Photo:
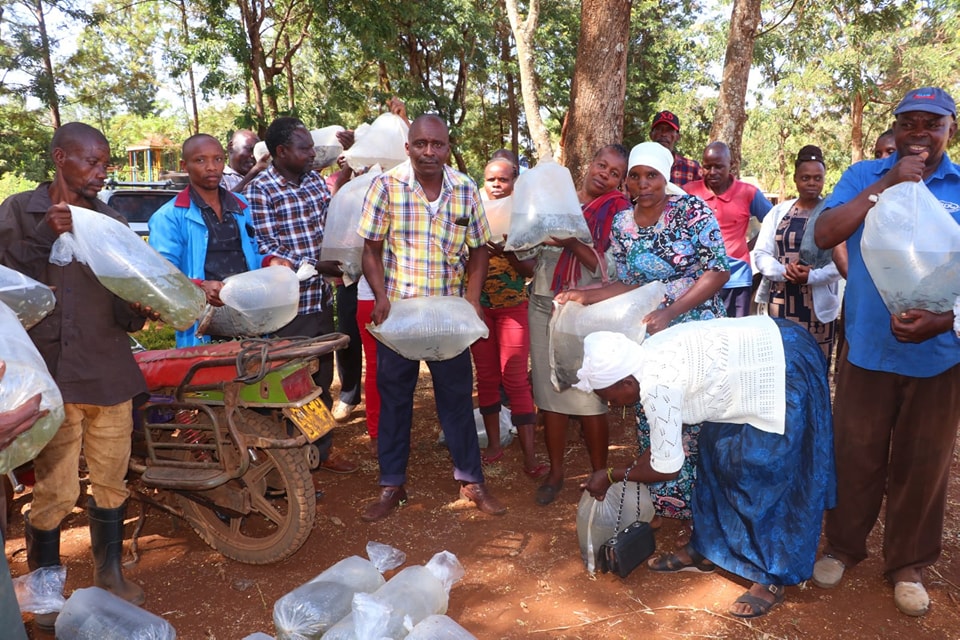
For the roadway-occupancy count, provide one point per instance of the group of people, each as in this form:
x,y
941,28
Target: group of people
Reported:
x,y
734,422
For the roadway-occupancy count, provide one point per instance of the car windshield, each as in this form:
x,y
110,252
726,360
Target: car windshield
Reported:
x,y
138,206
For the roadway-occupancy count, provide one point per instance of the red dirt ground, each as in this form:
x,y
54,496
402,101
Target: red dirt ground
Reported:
x,y
524,577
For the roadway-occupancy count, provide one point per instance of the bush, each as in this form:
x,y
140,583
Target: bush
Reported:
x,y
156,335
11,183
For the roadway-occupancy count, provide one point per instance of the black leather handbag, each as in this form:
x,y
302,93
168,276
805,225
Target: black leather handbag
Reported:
x,y
629,547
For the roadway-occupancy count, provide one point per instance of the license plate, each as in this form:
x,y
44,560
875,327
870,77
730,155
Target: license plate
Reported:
x,y
313,419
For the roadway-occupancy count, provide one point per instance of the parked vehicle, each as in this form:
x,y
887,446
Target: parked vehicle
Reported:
x,y
137,201
225,442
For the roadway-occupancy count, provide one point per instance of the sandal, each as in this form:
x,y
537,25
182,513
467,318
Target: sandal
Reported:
x,y
538,471
491,459
547,493
759,606
671,563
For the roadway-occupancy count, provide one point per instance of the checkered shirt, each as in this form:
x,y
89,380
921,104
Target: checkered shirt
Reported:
x,y
289,221
684,170
424,250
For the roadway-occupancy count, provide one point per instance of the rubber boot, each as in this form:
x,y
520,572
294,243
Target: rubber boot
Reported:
x,y
106,540
43,550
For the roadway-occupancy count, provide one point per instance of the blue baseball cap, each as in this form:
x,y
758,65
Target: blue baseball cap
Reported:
x,y
928,100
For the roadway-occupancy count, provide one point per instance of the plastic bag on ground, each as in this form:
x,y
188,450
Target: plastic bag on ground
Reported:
x,y
95,614
41,590
572,322
384,143
258,635
498,214
29,299
341,242
129,267
307,612
430,328
597,519
26,376
326,146
545,205
911,247
439,626
507,430
412,595
254,303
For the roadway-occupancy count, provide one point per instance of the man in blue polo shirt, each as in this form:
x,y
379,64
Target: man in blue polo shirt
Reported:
x,y
898,394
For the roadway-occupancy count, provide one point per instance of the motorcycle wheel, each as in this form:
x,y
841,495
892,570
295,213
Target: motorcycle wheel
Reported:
x,y
282,498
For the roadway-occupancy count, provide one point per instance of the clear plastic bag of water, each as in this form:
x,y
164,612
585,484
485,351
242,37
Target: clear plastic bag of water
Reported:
x,y
430,328
41,590
341,242
29,299
95,614
911,247
545,205
411,595
307,612
597,519
129,267
439,626
573,322
255,303
498,214
383,143
326,146
507,430
26,376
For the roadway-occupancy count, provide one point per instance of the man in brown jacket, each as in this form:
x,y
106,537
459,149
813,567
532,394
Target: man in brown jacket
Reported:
x,y
85,345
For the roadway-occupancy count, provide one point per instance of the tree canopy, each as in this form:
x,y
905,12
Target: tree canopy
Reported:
x,y
825,73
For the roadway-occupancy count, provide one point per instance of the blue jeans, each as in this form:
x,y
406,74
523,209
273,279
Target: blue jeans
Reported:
x,y
453,392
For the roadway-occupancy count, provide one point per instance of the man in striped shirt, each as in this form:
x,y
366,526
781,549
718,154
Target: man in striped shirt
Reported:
x,y
424,230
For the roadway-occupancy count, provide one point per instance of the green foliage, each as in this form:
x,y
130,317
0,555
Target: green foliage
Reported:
x,y
156,335
11,183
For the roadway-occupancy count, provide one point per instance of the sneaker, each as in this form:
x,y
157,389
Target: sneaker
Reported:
x,y
911,598
828,572
342,411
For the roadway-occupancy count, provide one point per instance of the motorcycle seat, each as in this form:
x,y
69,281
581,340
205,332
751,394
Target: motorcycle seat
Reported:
x,y
167,368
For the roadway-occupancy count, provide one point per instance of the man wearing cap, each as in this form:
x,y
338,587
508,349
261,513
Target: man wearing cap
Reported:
x,y
898,391
733,202
666,131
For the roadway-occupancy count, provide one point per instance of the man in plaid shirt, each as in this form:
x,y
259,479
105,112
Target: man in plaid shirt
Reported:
x,y
424,229
289,201
666,131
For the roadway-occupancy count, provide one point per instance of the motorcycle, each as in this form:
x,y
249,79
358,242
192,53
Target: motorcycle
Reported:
x,y
225,442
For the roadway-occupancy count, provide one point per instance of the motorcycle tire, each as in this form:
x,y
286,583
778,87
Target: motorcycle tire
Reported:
x,y
282,498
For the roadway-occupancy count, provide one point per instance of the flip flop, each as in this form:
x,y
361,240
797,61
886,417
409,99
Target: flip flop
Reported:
x,y
759,606
538,471
494,458
547,493
671,563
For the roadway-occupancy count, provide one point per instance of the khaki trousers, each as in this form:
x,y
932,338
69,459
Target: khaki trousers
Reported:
x,y
103,432
893,435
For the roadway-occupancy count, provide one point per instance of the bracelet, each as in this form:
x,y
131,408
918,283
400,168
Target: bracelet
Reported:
x,y
610,474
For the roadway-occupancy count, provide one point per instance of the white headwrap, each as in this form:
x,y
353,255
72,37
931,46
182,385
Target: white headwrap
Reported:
x,y
608,358
656,156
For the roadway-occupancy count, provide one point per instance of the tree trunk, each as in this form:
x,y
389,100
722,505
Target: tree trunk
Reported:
x,y
599,83
48,82
731,109
524,35
193,86
856,128
513,112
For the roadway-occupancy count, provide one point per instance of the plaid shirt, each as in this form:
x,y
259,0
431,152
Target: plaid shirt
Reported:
x,y
424,249
684,170
289,221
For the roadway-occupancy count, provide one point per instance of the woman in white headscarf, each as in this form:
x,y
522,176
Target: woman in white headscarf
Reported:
x,y
672,237
765,471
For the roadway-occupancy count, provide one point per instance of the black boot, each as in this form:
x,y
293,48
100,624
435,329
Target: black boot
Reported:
x,y
43,550
106,539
